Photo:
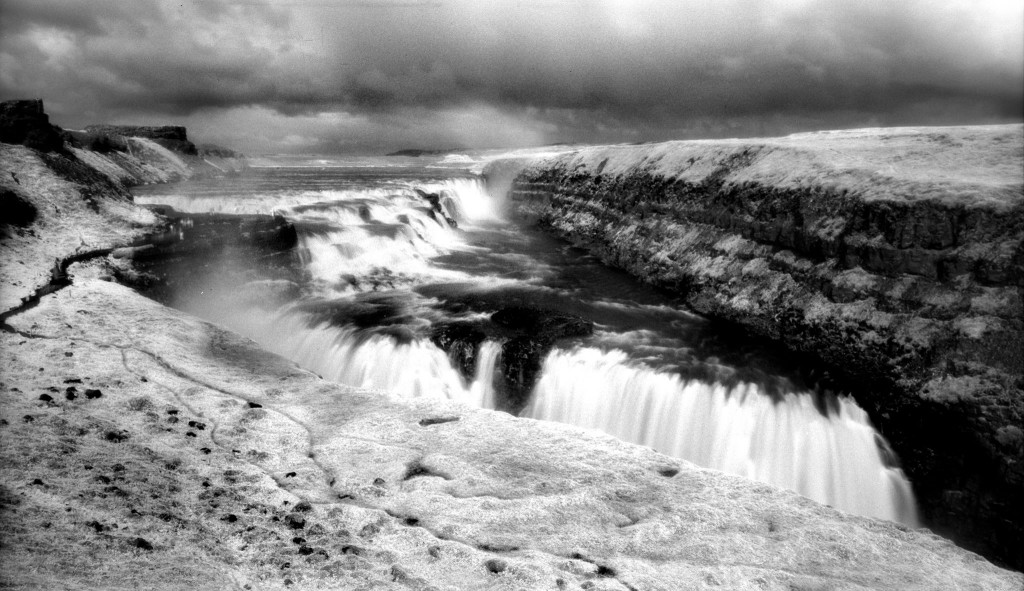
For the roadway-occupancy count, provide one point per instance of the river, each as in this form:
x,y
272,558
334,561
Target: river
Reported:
x,y
408,278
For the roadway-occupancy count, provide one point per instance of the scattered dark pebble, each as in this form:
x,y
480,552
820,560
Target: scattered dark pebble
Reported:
x,y
68,354
378,482
103,479
73,381
303,506
165,516
96,525
295,521
255,405
286,565
230,518
118,468
437,421
290,475
668,472
172,420
115,436
92,394
71,393
206,484
289,582
38,482
197,425
28,418
496,565
46,398
142,544
190,434
49,389
205,450
434,551
299,541
399,574
411,521
605,571
354,550
172,411
305,550
87,466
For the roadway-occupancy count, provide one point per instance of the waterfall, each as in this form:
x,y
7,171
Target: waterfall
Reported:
x,y
482,388
789,443
378,256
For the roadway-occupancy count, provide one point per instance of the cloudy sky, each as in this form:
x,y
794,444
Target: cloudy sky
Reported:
x,y
320,76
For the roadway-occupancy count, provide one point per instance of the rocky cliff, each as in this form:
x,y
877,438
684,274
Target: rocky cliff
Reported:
x,y
893,256
143,448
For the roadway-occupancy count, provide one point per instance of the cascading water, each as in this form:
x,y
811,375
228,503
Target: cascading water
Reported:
x,y
386,256
832,459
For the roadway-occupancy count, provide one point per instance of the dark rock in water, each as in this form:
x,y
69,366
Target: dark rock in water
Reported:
x,y
24,122
522,356
438,205
462,343
544,324
528,335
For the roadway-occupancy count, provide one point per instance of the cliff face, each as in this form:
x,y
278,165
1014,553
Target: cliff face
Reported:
x,y
896,257
126,154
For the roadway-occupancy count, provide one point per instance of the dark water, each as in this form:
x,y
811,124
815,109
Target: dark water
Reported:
x,y
386,257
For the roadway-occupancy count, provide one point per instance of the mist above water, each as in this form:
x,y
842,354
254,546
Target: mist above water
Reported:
x,y
387,254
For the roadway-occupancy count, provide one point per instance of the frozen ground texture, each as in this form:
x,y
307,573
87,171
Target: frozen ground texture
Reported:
x,y
894,256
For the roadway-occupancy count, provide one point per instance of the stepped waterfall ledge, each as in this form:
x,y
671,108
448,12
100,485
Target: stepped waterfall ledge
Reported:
x,y
381,267
892,257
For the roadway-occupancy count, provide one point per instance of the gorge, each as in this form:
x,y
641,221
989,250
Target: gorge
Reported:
x,y
360,275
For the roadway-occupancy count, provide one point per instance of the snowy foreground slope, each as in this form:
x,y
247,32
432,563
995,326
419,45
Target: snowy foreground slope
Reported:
x,y
143,448
893,256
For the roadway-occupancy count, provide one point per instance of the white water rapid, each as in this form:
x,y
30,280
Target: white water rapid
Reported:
x,y
832,459
379,237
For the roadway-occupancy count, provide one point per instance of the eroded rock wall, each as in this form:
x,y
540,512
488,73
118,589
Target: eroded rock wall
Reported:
x,y
893,256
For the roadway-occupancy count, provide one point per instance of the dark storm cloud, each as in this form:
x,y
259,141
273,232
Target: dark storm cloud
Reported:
x,y
593,71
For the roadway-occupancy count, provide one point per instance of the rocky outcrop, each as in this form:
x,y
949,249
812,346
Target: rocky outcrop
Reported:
x,y
894,256
25,122
144,448
126,154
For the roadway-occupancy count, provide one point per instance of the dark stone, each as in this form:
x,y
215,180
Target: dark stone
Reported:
x,y
93,394
437,421
295,521
24,122
255,405
496,565
46,398
142,544
303,507
462,343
